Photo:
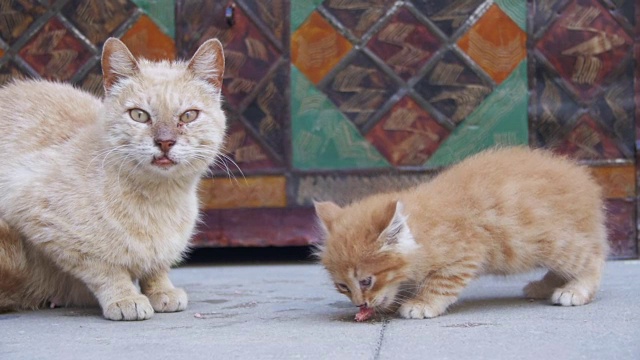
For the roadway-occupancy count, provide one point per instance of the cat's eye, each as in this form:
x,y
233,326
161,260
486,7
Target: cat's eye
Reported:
x,y
342,287
139,115
365,283
189,115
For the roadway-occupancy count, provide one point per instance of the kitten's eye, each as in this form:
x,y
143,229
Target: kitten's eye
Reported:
x,y
365,283
189,115
342,287
139,115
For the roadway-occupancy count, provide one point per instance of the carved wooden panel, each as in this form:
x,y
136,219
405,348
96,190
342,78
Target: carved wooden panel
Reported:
x,y
334,99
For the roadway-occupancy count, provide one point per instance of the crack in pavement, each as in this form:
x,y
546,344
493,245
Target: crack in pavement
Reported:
x,y
376,354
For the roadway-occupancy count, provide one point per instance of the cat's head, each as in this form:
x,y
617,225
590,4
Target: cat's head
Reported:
x,y
366,249
163,117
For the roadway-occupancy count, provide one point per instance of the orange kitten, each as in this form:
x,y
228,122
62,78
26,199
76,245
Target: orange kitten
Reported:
x,y
501,212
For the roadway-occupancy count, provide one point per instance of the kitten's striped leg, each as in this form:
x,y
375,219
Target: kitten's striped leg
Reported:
x,y
440,290
163,296
543,288
581,288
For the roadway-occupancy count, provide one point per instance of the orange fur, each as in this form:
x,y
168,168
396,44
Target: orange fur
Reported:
x,y
503,211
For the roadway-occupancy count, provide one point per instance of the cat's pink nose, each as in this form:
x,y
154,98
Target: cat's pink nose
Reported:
x,y
165,145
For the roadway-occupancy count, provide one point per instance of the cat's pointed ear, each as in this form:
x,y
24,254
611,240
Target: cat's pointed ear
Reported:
x,y
117,62
397,236
208,62
327,212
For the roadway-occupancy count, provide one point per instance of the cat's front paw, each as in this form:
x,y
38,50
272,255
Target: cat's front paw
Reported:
x,y
418,310
169,301
569,297
130,308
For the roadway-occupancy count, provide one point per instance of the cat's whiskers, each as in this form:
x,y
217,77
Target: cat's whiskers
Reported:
x,y
223,153
220,161
116,149
106,153
227,158
398,299
122,162
207,156
222,165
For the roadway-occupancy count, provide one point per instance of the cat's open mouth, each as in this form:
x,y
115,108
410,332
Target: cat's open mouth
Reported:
x,y
163,161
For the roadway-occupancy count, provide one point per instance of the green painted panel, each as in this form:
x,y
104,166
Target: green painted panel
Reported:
x,y
322,137
500,120
162,12
517,11
300,11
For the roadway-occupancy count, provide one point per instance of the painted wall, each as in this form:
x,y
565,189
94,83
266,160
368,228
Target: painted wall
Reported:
x,y
337,99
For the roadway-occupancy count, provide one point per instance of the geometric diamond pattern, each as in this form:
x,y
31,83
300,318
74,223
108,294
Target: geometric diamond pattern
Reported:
x,y
358,16
449,16
453,88
588,141
146,39
360,88
554,110
497,53
404,43
500,120
317,47
9,72
162,12
321,93
268,12
262,114
63,42
241,146
300,10
322,137
585,46
249,54
97,20
54,52
17,16
407,135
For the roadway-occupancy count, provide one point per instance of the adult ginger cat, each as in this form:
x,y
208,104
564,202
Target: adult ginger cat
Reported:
x,y
500,212
95,195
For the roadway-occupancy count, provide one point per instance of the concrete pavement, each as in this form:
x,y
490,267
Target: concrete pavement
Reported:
x,y
291,311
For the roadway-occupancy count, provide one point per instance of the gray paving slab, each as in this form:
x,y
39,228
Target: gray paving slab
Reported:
x,y
292,312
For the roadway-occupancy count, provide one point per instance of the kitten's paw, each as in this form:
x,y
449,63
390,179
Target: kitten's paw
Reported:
x,y
131,308
569,297
169,301
418,310
537,290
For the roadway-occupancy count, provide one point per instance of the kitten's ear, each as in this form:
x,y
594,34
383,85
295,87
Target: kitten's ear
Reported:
x,y
397,235
117,62
208,62
318,251
327,212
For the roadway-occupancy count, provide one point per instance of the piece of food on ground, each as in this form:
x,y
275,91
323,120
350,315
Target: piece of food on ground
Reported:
x,y
365,313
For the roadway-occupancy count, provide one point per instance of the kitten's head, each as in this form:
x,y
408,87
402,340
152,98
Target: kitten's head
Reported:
x,y
163,117
366,250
